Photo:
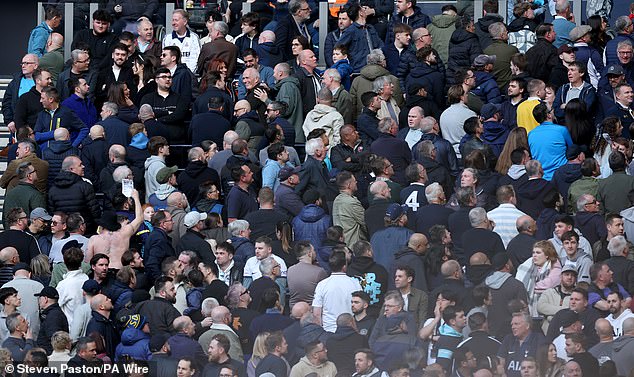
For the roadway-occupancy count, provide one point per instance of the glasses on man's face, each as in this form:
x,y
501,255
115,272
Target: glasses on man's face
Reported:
x,y
55,223
164,77
307,9
27,63
246,292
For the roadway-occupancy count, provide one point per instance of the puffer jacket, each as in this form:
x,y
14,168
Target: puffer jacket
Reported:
x,y
120,294
195,173
464,47
135,344
70,193
495,135
591,225
244,249
345,70
408,62
542,58
363,83
326,117
486,87
56,152
431,78
482,28
441,28
311,224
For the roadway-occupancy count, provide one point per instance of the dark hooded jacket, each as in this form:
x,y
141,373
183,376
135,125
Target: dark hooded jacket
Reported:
x,y
591,225
244,249
195,173
486,87
563,178
530,195
311,224
70,193
464,47
374,279
409,257
135,344
445,154
415,21
495,135
437,173
482,28
429,77
56,152
546,223
428,105
342,346
504,288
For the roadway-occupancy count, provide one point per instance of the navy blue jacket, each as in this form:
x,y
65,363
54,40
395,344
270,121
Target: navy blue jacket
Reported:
x,y
10,99
509,114
244,249
57,151
464,47
201,105
397,151
611,56
486,87
184,83
46,124
588,96
107,329
392,56
210,125
332,39
367,125
116,131
495,135
182,345
158,246
269,54
135,344
409,61
432,80
311,224
445,154
625,117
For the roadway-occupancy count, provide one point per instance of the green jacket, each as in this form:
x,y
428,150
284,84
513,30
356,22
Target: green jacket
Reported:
x,y
585,185
363,84
25,196
53,61
441,28
342,101
288,92
348,213
502,67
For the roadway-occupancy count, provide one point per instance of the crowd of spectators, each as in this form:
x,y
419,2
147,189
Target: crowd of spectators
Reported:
x,y
445,198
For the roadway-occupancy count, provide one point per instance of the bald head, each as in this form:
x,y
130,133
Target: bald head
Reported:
x,y
525,224
604,329
267,36
219,314
450,268
479,259
9,255
299,309
417,240
96,132
116,153
244,103
482,373
56,41
61,134
146,112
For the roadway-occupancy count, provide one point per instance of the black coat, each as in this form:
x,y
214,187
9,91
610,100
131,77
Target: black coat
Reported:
x,y
397,151
286,31
430,215
100,46
107,328
530,195
437,173
26,244
209,125
195,173
172,111
56,152
367,125
184,82
342,346
201,104
375,214
70,193
94,155
135,158
160,314
52,319
464,47
431,79
106,78
409,257
542,58
429,106
27,108
307,89
520,248
195,241
158,246
477,239
106,182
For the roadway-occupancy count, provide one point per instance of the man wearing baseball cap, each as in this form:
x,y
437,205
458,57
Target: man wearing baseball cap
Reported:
x,y
394,237
38,220
559,73
286,199
52,317
83,313
586,54
486,87
615,75
193,239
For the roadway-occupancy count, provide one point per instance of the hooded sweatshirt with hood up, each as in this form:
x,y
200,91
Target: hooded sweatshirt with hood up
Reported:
x,y
504,288
152,165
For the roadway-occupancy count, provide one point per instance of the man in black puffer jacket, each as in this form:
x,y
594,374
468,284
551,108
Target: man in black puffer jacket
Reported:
x,y
71,193
57,151
464,47
196,172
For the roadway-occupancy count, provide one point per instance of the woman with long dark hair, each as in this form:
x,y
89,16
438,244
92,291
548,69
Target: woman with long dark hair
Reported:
x,y
598,36
608,131
119,93
578,122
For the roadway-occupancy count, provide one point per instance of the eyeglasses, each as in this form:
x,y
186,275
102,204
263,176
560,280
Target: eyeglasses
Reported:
x,y
305,9
27,63
245,292
82,61
164,77
625,52
55,223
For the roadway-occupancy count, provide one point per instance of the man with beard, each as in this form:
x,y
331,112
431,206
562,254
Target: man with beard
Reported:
x,y
160,311
219,357
119,72
515,96
619,312
169,107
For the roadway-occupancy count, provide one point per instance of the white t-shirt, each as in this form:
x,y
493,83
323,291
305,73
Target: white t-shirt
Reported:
x,y
252,267
334,295
617,323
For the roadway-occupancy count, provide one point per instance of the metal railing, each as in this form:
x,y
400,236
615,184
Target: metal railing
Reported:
x,y
246,7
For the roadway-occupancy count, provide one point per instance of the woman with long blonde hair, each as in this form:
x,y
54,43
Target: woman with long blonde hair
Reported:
x,y
259,352
540,272
517,138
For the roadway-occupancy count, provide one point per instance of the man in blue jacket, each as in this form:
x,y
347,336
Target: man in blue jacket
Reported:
x,y
408,13
577,87
39,36
358,37
55,116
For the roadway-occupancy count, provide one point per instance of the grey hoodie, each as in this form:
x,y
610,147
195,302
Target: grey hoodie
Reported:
x,y
622,356
496,279
152,165
516,171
